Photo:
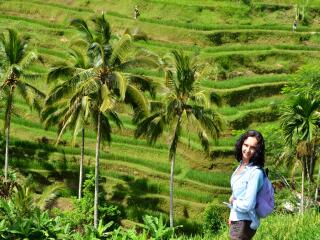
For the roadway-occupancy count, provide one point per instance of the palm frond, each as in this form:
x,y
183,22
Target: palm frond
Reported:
x,y
299,118
77,124
174,106
200,98
209,119
33,76
204,140
156,105
14,46
113,116
82,26
121,83
120,50
138,102
105,129
49,195
102,29
52,114
107,99
60,70
78,82
185,73
32,95
28,59
36,92
145,84
79,58
151,127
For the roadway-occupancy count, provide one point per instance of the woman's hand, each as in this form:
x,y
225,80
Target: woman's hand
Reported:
x,y
231,199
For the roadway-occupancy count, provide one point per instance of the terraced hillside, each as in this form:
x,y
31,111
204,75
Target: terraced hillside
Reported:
x,y
248,52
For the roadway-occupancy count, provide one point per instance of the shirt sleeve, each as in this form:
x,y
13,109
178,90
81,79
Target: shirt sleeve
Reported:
x,y
248,202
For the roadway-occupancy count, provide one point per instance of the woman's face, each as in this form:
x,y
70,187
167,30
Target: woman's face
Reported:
x,y
249,148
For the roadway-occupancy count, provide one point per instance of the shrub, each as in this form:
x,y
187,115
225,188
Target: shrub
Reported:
x,y
83,208
215,218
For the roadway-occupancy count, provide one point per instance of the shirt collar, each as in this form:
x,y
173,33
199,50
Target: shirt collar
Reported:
x,y
249,165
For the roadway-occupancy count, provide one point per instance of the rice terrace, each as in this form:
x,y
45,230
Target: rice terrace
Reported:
x,y
120,118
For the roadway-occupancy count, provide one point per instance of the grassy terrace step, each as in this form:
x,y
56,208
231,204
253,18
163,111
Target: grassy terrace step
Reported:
x,y
159,46
43,152
214,182
57,5
53,25
217,38
126,173
120,138
37,128
233,112
245,80
207,15
236,96
243,120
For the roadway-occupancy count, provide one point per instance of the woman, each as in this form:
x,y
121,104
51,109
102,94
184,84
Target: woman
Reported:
x,y
246,181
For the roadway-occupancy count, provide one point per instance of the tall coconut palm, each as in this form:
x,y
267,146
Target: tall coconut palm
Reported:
x,y
299,122
65,112
183,105
106,82
14,75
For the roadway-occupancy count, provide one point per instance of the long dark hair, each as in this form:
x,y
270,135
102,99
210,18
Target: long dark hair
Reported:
x,y
258,157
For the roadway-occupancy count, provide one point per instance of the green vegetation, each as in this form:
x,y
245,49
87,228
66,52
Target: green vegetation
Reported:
x,y
169,77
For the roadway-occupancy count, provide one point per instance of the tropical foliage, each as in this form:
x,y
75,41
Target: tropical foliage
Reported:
x,y
185,106
93,73
14,75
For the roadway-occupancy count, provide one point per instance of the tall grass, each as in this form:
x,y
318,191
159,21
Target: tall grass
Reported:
x,y
278,227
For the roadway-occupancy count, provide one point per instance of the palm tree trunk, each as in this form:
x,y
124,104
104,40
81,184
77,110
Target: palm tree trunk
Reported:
x,y
317,186
171,188
172,157
312,165
81,166
302,192
96,188
7,132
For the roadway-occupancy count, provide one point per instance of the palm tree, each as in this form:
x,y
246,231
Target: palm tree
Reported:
x,y
183,105
106,83
299,122
14,75
65,112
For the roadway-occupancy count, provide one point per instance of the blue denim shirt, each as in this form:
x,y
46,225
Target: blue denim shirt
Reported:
x,y
244,191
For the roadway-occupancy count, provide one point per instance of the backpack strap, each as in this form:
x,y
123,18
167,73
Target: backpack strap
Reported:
x,y
264,174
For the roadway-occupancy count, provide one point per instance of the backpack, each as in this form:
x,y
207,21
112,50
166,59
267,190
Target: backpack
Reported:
x,y
265,198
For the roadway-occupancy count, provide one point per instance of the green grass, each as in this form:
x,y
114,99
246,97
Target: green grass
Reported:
x,y
259,103
245,80
278,226
256,44
213,178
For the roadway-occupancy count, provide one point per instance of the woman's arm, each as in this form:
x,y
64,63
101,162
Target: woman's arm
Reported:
x,y
248,202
